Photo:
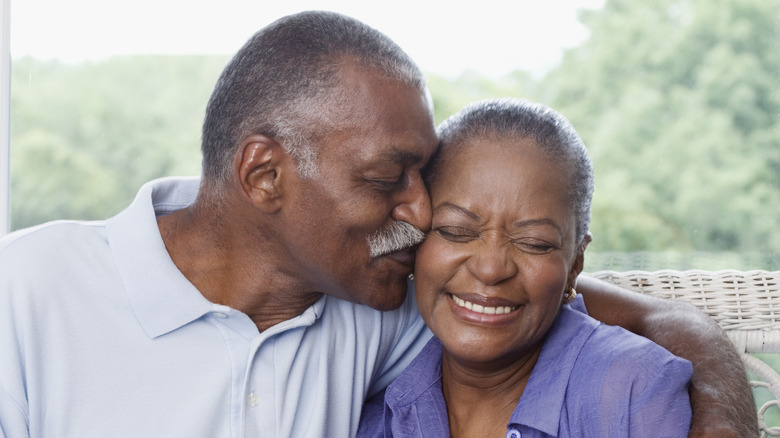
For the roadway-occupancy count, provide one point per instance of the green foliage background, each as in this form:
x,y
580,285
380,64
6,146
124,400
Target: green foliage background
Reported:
x,y
85,137
677,100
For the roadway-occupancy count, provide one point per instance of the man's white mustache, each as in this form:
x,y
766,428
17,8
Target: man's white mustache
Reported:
x,y
400,235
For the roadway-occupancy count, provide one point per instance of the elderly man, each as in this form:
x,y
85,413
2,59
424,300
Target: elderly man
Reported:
x,y
270,297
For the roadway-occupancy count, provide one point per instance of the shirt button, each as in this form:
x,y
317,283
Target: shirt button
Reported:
x,y
513,433
252,400
220,315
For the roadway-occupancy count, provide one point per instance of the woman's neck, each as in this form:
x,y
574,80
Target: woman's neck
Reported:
x,y
481,398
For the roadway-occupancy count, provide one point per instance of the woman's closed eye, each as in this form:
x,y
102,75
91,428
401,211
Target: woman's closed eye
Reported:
x,y
534,246
456,234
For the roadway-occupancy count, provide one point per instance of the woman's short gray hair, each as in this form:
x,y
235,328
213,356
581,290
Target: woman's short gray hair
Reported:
x,y
519,119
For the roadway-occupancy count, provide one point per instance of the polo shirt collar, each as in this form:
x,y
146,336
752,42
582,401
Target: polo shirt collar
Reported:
x,y
416,380
160,295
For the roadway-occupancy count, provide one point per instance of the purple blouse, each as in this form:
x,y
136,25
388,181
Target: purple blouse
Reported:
x,y
591,380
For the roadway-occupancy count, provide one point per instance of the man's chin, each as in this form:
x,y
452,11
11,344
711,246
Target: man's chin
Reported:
x,y
388,305
391,296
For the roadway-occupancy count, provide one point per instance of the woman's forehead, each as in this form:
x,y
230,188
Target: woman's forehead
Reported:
x,y
462,156
488,168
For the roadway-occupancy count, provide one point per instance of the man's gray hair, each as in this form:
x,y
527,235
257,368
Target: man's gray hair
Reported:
x,y
283,77
519,119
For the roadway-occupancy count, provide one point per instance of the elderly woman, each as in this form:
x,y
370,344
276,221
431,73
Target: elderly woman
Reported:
x,y
511,190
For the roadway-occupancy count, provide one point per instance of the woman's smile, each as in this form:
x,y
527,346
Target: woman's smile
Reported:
x,y
483,311
480,308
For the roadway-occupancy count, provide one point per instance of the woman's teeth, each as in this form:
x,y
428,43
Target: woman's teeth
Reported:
x,y
500,310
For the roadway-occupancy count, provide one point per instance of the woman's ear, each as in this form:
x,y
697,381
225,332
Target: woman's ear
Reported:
x,y
579,260
260,170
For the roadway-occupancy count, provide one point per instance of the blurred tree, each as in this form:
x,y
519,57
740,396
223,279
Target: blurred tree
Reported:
x,y
58,181
85,137
679,103
450,95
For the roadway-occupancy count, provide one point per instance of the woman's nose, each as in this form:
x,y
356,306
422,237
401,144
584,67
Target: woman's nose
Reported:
x,y
491,262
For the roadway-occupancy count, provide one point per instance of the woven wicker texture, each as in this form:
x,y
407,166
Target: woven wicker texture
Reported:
x,y
746,304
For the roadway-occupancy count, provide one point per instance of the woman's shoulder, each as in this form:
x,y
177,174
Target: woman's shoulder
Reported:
x,y
614,357
630,384
614,345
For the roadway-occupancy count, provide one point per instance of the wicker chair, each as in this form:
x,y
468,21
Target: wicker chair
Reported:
x,y
746,304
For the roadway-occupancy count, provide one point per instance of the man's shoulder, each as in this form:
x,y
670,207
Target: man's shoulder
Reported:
x,y
40,267
48,238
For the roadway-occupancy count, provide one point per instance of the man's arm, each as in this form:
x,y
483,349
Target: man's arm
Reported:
x,y
721,398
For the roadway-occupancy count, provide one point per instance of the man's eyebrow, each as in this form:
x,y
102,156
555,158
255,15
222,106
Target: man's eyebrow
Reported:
x,y
398,155
459,209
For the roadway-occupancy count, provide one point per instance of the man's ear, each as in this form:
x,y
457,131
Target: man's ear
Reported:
x,y
260,170
579,260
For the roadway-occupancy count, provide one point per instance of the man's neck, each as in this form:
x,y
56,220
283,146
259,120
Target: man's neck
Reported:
x,y
232,271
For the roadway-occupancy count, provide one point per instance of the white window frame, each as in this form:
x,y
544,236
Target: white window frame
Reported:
x,y
5,118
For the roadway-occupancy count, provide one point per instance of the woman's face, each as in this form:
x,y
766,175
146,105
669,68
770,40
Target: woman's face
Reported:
x,y
490,276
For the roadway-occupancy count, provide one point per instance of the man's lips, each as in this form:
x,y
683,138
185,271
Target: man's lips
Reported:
x,y
404,256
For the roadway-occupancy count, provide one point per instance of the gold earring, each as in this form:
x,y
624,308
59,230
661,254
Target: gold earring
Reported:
x,y
570,295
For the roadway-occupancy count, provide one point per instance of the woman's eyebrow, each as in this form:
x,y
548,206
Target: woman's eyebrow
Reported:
x,y
459,209
534,222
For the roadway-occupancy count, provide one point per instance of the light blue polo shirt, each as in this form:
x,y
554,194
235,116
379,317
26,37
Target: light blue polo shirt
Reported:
x,y
102,336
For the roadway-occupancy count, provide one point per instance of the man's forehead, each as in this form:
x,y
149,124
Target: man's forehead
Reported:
x,y
375,118
389,155
399,155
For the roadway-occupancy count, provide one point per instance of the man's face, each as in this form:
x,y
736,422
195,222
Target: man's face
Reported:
x,y
368,180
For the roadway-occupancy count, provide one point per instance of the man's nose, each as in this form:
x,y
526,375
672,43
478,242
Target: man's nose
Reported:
x,y
414,203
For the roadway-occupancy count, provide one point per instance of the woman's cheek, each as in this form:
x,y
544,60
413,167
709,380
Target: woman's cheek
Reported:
x,y
431,274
